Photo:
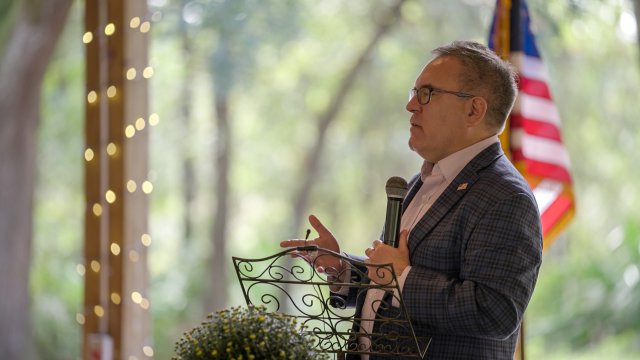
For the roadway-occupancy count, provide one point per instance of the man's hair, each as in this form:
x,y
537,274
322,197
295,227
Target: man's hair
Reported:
x,y
485,74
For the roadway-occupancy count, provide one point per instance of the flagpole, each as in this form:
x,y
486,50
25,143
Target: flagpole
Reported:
x,y
515,41
502,41
508,35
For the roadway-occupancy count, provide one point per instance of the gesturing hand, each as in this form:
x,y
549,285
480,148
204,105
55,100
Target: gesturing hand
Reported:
x,y
324,263
380,253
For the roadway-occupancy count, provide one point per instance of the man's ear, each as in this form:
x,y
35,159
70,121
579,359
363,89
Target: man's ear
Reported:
x,y
476,111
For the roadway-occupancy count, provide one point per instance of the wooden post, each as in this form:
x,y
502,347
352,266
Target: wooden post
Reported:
x,y
116,312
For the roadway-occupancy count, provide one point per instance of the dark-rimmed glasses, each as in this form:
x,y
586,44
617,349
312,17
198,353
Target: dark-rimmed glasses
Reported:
x,y
424,94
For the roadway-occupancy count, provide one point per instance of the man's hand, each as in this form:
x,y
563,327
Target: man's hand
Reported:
x,y
380,253
324,262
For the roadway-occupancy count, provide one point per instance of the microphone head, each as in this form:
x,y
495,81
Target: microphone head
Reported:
x,y
396,187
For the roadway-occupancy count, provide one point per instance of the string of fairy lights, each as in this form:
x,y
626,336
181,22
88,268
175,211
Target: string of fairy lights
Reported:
x,y
132,129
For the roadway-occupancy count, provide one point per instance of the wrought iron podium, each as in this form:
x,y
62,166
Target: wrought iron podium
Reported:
x,y
286,283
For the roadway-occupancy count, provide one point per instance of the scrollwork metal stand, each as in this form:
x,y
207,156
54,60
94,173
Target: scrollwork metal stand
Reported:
x,y
324,302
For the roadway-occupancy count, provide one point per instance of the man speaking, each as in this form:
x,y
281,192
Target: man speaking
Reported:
x,y
470,246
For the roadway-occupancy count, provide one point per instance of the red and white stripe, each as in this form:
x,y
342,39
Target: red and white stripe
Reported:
x,y
536,140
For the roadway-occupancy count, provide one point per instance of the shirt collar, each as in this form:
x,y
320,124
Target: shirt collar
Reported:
x,y
451,166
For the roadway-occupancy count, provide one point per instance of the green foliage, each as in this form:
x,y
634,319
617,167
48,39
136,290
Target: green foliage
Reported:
x,y
585,298
246,333
290,57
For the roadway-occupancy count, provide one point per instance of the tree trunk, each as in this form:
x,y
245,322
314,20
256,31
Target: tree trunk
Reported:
x,y
311,164
218,294
186,93
222,70
30,42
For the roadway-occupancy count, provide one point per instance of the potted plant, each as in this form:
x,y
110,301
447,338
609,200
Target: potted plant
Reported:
x,y
246,333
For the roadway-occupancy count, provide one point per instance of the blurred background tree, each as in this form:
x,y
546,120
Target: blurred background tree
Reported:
x,y
29,31
241,88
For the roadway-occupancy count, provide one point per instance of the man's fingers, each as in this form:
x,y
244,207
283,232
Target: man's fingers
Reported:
x,y
296,243
367,251
287,243
318,226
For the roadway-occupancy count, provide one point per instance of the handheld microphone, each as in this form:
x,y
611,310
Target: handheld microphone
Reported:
x,y
396,190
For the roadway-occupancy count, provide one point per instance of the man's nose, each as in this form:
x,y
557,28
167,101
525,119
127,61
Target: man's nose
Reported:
x,y
412,104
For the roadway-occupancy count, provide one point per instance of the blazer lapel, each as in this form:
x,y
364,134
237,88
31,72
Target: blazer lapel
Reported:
x,y
451,195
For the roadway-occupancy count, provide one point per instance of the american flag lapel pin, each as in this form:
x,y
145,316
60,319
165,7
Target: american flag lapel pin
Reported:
x,y
463,186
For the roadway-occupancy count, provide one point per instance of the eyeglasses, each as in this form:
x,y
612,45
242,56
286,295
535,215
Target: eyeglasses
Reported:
x,y
424,94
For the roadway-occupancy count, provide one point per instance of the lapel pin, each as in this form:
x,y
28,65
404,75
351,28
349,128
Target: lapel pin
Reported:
x,y
463,186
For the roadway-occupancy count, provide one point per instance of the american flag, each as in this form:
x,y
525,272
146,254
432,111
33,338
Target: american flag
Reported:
x,y
532,137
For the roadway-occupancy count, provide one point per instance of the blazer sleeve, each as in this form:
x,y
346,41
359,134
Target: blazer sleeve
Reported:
x,y
499,263
356,275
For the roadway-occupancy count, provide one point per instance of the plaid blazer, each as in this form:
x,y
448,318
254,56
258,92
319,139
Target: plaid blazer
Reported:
x,y
475,257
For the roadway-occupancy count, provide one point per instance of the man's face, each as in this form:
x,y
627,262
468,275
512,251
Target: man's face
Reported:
x,y
438,128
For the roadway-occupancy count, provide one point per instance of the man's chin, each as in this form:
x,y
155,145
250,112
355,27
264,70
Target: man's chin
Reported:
x,y
417,151
413,143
